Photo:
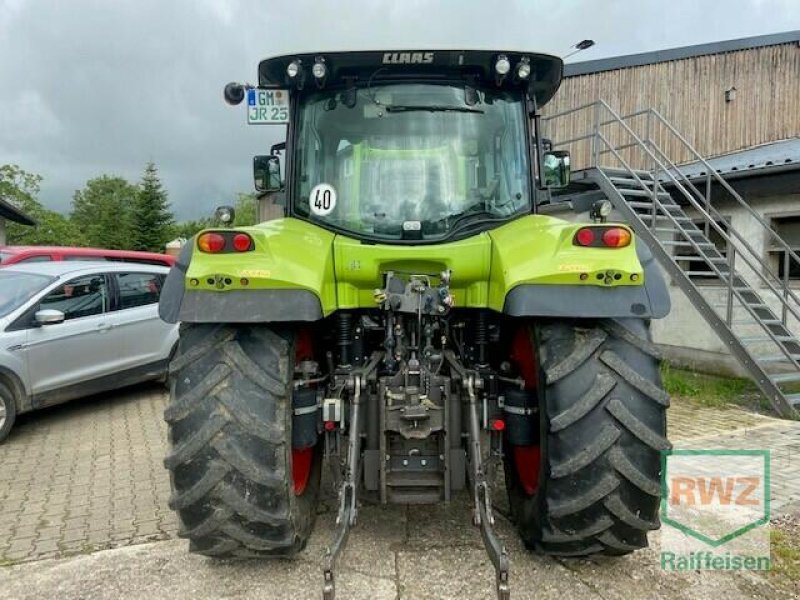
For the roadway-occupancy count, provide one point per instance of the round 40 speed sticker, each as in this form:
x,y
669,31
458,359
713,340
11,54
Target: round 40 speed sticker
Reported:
x,y
322,199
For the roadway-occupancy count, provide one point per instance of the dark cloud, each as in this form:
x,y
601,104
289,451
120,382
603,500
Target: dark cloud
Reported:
x,y
92,87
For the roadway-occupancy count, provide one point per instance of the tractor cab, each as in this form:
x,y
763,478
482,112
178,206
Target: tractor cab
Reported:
x,y
407,147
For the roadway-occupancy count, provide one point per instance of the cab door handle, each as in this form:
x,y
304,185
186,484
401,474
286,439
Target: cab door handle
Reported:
x,y
104,326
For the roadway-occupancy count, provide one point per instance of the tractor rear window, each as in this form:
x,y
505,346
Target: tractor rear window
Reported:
x,y
411,161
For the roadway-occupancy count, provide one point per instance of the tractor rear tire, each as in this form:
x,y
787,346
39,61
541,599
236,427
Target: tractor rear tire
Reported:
x,y
230,460
603,427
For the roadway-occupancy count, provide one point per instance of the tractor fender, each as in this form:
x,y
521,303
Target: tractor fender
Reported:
x,y
648,301
234,306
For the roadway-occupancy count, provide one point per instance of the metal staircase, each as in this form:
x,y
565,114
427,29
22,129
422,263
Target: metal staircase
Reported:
x,y
633,160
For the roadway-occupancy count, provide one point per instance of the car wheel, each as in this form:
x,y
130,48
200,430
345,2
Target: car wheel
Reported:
x,y
8,411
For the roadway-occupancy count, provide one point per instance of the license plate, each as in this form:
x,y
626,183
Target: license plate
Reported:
x,y
267,107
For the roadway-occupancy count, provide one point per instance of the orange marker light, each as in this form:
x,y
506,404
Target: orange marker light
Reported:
x,y
211,242
616,237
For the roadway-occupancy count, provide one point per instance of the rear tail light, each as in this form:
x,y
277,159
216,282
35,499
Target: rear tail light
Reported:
x,y
242,242
602,237
211,242
215,242
584,237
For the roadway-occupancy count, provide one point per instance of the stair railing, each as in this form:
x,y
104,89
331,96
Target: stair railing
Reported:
x,y
753,261
790,257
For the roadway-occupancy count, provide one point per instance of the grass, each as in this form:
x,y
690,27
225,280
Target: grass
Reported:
x,y
709,390
785,553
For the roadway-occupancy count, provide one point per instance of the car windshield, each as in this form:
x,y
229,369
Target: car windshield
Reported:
x,y
411,161
17,288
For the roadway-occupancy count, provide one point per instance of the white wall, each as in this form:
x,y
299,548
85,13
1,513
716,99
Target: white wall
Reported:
x,y
684,335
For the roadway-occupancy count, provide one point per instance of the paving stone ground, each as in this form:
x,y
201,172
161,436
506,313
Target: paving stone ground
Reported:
x,y
84,476
88,476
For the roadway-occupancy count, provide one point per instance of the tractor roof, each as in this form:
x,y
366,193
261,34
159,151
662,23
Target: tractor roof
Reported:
x,y
392,65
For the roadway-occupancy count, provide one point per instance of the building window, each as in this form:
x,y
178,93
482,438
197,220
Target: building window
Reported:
x,y
789,230
699,269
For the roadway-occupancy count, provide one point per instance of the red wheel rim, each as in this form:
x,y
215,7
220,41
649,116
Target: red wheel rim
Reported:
x,y
302,458
527,459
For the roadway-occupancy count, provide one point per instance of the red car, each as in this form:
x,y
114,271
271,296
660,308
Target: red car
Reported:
x,y
10,255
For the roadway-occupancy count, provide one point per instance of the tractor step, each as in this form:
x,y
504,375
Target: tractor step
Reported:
x,y
414,487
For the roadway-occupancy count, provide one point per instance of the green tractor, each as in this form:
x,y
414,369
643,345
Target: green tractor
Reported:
x,y
413,320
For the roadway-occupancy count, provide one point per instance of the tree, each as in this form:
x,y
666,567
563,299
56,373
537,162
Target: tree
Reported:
x,y
102,212
20,188
151,218
246,215
246,210
188,229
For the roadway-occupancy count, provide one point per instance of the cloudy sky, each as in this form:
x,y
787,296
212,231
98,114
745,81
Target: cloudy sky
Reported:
x,y
93,87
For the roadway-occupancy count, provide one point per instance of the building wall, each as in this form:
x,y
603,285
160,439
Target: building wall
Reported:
x,y
685,336
690,93
270,207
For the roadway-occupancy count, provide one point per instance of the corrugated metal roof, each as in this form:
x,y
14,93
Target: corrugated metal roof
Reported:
x,y
647,58
12,213
783,155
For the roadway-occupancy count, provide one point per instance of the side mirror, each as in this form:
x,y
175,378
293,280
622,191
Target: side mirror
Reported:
x,y
49,316
556,169
267,173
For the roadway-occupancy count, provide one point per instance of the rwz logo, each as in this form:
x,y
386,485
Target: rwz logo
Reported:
x,y
694,491
407,58
714,496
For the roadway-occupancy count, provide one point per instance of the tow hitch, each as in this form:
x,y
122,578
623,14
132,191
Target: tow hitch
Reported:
x,y
483,517
348,511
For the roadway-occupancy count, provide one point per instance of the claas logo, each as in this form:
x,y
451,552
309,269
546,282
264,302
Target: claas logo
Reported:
x,y
725,491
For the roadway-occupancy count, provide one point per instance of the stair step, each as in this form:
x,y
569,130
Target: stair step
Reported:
x,y
649,205
669,218
682,243
630,181
615,171
645,193
697,258
759,338
648,218
776,358
755,321
706,274
785,377
793,399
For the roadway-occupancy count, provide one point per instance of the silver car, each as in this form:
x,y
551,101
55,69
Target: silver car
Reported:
x,y
70,329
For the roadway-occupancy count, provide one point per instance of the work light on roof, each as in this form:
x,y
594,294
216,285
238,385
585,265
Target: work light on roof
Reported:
x,y
524,68
319,70
293,70
502,66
